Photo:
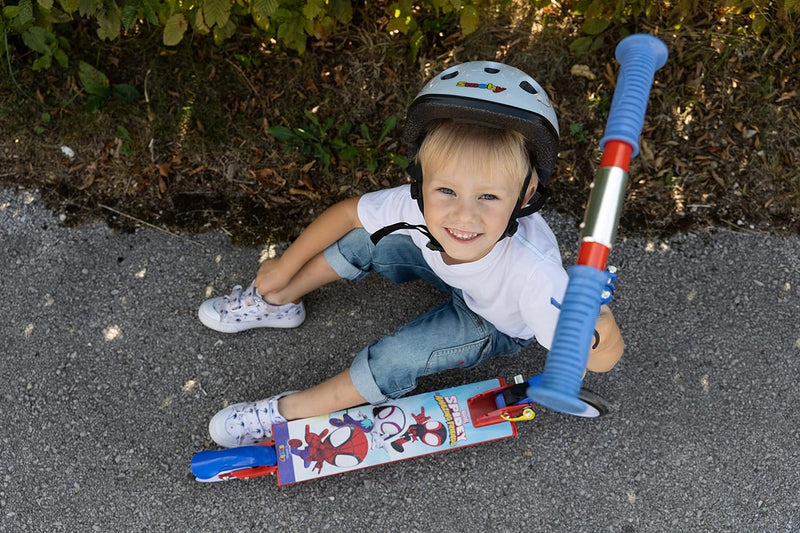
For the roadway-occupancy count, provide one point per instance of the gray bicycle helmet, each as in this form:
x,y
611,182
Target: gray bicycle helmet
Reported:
x,y
492,94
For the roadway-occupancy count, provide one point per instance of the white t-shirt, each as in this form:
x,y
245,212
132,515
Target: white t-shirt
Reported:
x,y
518,286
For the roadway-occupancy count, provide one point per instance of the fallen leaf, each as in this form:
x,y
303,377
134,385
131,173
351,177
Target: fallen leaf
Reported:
x,y
163,169
196,170
279,200
305,180
268,178
302,192
582,71
88,180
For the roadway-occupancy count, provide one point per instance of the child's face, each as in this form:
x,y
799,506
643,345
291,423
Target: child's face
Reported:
x,y
467,209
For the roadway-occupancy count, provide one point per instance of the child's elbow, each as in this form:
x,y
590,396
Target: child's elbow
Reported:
x,y
610,346
604,358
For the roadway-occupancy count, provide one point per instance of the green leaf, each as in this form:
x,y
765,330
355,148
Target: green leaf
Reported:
x,y
108,23
282,133
262,10
415,42
397,24
150,11
43,62
38,39
87,8
11,12
94,102
125,93
469,20
580,7
597,43
759,24
349,153
224,32
69,6
46,4
594,26
130,13
292,34
174,29
388,126
595,10
25,11
399,160
61,57
580,45
313,9
93,81
216,12
342,10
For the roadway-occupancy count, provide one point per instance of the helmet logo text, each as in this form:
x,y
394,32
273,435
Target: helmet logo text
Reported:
x,y
489,86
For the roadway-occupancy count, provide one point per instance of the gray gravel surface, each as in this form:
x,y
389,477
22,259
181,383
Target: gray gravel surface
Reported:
x,y
108,380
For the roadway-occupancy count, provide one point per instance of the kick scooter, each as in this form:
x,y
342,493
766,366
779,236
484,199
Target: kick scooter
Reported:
x,y
489,410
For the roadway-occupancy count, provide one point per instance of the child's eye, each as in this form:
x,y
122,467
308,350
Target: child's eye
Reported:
x,y
445,190
488,197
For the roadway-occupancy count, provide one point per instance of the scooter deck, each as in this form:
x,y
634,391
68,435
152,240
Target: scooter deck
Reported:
x,y
360,437
371,435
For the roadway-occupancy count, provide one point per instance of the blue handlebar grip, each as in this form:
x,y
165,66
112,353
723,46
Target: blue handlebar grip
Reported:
x,y
563,370
639,56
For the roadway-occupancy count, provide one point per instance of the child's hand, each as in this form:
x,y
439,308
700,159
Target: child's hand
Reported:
x,y
270,278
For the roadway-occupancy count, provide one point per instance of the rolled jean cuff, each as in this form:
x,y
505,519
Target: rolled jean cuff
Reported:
x,y
343,268
363,381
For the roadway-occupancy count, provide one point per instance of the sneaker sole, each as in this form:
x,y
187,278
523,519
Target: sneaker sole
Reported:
x,y
210,318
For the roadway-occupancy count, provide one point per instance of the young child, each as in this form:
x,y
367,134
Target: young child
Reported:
x,y
483,140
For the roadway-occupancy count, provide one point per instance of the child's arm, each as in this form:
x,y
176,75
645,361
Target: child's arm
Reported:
x,y
609,345
334,223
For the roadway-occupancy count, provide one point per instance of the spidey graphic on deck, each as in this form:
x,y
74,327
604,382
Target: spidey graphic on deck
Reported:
x,y
430,432
344,447
362,422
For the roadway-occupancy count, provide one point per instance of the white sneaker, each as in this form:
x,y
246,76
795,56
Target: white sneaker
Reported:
x,y
242,310
246,423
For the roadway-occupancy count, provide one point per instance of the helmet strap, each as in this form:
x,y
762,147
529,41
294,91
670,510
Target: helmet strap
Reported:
x,y
536,203
415,172
433,244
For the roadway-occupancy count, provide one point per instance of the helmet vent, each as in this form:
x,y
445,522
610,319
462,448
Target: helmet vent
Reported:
x,y
490,70
450,75
527,87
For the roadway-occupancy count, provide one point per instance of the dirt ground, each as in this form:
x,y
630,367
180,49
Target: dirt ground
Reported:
x,y
192,153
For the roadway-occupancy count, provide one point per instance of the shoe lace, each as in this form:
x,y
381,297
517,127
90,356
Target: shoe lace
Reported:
x,y
240,299
257,418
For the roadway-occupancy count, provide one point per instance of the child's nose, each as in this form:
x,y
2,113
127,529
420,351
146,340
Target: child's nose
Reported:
x,y
466,211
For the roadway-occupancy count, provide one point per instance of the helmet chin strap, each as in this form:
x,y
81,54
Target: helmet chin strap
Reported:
x,y
433,244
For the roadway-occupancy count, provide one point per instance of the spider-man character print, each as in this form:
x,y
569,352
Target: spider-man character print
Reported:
x,y
430,432
344,447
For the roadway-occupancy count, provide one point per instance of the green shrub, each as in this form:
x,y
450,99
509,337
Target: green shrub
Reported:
x,y
777,17
291,23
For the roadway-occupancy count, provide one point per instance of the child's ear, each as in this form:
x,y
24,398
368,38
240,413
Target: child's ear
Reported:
x,y
530,191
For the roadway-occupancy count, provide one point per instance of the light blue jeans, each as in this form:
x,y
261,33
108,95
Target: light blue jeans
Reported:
x,y
448,336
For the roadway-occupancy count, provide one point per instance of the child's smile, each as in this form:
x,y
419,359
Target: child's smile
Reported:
x,y
462,236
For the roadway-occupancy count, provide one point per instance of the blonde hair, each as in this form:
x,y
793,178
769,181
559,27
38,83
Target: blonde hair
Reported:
x,y
480,147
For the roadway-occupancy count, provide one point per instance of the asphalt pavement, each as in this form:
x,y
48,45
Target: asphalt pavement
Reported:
x,y
108,380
